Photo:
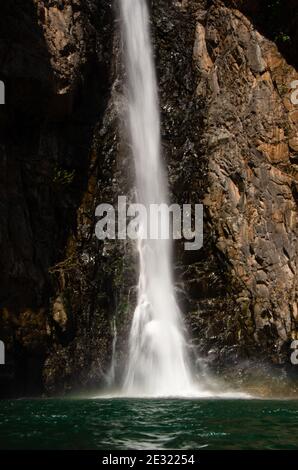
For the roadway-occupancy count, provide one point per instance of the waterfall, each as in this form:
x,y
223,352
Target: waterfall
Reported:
x,y
157,363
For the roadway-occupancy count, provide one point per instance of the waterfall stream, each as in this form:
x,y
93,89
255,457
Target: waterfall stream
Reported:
x,y
157,364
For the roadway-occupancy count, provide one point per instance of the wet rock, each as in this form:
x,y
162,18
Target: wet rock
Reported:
x,y
56,72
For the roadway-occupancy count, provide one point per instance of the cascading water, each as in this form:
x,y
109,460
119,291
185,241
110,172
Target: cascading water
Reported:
x,y
157,364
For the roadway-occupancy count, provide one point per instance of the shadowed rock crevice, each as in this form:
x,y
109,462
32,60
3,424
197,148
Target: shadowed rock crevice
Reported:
x,y
276,20
56,75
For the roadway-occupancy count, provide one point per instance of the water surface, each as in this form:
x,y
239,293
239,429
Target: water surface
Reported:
x,y
112,424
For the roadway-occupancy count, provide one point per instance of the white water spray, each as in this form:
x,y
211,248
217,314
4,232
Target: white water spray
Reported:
x,y
157,363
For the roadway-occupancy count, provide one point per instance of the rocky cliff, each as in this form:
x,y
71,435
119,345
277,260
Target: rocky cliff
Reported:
x,y
229,133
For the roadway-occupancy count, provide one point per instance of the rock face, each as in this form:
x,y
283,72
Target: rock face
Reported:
x,y
54,61
229,132
250,128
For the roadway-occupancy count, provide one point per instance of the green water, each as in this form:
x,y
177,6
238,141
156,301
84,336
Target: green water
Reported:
x,y
111,424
